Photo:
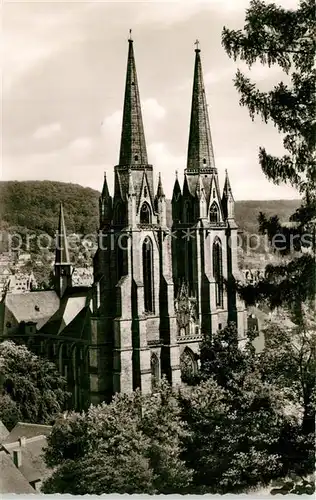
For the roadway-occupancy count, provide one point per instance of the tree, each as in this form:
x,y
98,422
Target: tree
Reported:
x,y
9,412
288,361
267,398
234,447
131,445
274,35
32,383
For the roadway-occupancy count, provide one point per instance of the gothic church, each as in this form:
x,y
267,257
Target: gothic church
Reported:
x,y
159,287
161,280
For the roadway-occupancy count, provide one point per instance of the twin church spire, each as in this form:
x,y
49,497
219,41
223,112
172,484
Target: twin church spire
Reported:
x,y
133,145
133,161
200,150
133,150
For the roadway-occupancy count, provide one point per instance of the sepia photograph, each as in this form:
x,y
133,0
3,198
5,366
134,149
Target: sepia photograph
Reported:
x,y
158,248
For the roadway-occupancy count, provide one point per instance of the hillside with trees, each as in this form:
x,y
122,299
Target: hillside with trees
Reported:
x,y
35,205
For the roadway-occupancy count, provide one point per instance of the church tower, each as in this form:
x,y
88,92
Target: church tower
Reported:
x,y
134,295
62,260
205,258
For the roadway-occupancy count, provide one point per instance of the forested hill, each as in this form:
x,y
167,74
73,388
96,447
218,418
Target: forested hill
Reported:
x,y
35,205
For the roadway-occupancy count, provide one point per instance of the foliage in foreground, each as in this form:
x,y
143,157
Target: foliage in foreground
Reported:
x,y
32,388
237,419
229,433
132,445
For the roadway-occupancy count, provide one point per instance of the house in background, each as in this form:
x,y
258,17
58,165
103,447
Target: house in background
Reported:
x,y
23,468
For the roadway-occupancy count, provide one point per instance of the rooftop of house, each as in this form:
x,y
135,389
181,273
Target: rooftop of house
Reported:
x,y
31,450
25,430
4,433
12,479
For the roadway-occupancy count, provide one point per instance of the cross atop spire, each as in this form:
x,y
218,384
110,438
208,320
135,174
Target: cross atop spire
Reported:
x,y
200,150
133,146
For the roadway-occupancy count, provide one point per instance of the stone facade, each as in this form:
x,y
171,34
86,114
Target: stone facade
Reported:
x,y
159,289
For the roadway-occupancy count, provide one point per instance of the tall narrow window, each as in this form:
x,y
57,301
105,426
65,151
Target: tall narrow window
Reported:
x,y
120,262
145,216
187,212
218,272
119,217
214,213
189,264
154,368
148,275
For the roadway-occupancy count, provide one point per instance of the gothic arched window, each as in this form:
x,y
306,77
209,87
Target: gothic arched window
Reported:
x,y
218,272
188,365
189,263
214,213
119,214
154,368
187,212
148,275
145,214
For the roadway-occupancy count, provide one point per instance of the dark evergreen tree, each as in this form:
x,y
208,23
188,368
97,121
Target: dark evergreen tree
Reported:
x,y
275,35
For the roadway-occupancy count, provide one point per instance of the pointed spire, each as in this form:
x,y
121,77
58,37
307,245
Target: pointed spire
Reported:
x,y
200,150
160,191
105,190
176,188
227,191
62,252
228,203
133,146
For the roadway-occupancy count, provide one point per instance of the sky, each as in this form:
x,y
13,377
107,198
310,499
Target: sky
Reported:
x,y
63,79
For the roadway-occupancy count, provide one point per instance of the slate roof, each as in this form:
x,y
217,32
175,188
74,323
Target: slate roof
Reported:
x,y
11,479
33,466
3,432
73,306
37,307
28,431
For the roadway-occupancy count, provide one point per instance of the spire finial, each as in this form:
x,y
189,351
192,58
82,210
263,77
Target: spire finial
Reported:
x,y
197,44
177,174
130,39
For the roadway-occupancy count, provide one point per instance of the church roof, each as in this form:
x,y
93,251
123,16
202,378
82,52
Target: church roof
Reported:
x,y
37,307
200,150
133,146
73,308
